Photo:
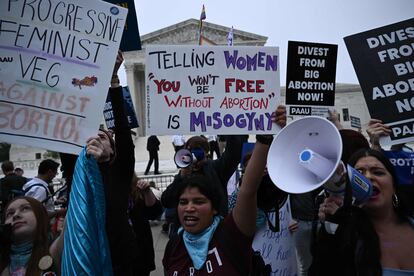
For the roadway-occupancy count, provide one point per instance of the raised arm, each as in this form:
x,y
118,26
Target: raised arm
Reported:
x,y
376,129
244,213
333,117
229,160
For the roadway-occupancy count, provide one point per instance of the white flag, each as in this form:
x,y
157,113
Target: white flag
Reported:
x,y
230,37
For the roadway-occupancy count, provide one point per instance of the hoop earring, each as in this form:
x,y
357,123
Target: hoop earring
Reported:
x,y
395,201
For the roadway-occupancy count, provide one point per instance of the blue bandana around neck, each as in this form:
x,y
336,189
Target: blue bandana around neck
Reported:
x,y
197,244
20,255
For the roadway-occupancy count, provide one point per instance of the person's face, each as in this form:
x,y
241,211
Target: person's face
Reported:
x,y
195,211
19,172
107,148
22,219
382,182
50,175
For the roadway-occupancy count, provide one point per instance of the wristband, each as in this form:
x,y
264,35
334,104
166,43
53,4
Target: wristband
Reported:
x,y
264,139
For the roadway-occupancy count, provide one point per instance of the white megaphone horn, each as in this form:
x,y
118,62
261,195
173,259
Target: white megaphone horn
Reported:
x,y
306,154
183,158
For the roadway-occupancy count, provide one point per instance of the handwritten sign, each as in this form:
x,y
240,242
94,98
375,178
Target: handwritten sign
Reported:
x,y
310,77
383,61
130,39
128,107
214,90
57,60
277,248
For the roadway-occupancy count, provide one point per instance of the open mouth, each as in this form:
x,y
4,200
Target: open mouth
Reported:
x,y
375,192
190,220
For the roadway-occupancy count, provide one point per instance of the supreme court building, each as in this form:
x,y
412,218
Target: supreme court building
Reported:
x,y
349,100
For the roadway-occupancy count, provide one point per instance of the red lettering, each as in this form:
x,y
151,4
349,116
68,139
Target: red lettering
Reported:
x,y
249,86
6,109
227,84
16,120
259,86
240,85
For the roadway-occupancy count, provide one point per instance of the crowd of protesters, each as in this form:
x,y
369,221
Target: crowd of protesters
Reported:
x,y
376,238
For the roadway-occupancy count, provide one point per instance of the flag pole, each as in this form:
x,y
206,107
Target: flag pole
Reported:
x,y
202,17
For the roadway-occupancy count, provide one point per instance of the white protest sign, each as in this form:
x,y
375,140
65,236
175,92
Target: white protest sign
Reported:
x,y
211,89
57,60
278,248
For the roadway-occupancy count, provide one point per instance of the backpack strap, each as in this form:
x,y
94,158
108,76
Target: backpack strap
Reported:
x,y
48,195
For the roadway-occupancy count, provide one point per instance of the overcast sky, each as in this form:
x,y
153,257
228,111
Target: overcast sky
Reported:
x,y
324,21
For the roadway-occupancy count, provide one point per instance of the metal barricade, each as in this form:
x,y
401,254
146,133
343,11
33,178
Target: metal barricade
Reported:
x,y
161,180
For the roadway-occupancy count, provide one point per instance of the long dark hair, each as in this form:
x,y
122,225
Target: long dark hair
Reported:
x,y
401,210
40,238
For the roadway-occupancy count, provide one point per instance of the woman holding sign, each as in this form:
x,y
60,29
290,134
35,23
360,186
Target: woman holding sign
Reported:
x,y
376,239
202,246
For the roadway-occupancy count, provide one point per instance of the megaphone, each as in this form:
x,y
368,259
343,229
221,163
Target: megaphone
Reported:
x,y
184,157
306,154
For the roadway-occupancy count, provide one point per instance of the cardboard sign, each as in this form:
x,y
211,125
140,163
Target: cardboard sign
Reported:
x,y
57,59
383,61
214,90
278,248
128,107
310,77
355,122
131,40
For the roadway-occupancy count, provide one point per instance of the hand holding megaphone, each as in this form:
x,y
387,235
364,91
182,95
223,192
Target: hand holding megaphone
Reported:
x,y
329,206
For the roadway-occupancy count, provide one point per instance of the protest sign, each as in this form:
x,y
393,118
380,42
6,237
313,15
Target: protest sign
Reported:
x,y
130,39
278,248
383,61
211,89
59,58
310,78
355,122
404,165
128,107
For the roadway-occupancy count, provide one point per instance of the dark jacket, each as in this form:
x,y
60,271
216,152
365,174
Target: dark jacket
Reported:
x,y
353,249
139,215
117,177
153,144
219,171
8,183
